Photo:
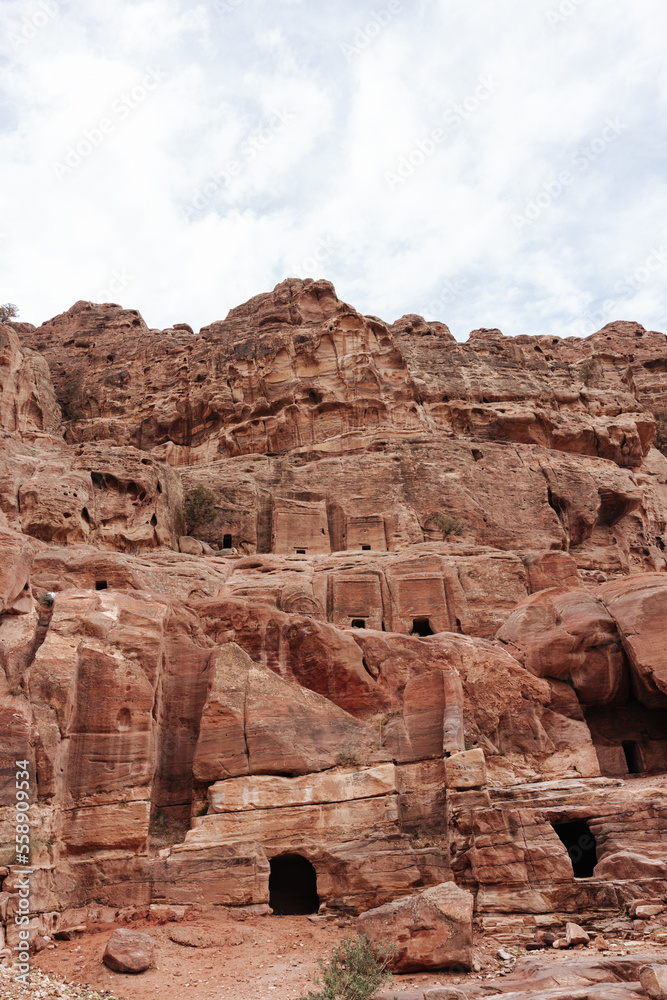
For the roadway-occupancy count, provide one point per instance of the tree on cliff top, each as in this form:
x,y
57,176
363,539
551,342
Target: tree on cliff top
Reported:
x,y
8,311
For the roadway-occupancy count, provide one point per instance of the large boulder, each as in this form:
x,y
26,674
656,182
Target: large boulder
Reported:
x,y
431,930
129,951
609,643
638,605
565,633
254,722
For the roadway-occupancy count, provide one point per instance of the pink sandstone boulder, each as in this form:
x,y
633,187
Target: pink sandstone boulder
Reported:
x,y
254,722
638,605
128,951
574,934
431,930
561,633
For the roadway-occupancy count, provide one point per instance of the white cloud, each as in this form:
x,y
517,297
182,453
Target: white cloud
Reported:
x,y
315,130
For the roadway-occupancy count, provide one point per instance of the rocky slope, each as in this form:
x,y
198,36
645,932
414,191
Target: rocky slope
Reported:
x,y
327,669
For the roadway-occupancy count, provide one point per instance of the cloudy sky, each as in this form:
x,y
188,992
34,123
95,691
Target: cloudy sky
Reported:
x,y
482,162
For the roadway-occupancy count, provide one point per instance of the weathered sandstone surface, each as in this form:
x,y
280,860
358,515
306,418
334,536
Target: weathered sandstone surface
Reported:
x,y
129,951
442,915
417,648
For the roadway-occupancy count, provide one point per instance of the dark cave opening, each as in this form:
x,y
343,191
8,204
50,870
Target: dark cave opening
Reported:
x,y
292,885
422,627
632,756
580,844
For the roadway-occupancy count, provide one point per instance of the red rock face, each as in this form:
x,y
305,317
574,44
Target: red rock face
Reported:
x,y
430,601
27,400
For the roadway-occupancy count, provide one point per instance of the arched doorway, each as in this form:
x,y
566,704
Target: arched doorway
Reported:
x,y
292,885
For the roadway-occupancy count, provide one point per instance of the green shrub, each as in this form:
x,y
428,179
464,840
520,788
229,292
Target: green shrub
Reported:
x,y
448,524
46,600
349,756
8,311
70,414
354,971
199,508
588,369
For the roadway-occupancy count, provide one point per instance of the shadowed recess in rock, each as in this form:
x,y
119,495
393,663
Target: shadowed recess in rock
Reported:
x,y
580,844
292,885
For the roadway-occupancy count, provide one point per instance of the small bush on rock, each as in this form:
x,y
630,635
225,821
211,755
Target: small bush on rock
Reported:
x,y
15,688
448,524
588,369
199,508
354,971
349,756
72,415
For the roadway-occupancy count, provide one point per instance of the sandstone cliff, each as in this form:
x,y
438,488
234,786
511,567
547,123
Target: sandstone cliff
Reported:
x,y
430,603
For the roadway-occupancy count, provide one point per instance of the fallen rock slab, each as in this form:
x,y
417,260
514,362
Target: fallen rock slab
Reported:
x,y
435,993
391,994
644,911
194,937
613,991
129,951
431,930
532,976
574,934
627,865
445,993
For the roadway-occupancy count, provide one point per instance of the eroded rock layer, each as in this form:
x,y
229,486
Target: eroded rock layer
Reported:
x,y
415,636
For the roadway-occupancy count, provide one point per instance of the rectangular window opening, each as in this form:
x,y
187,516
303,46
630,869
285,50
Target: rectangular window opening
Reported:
x,y
421,627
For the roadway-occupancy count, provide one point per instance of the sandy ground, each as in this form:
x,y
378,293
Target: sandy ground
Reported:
x,y
241,957
251,958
